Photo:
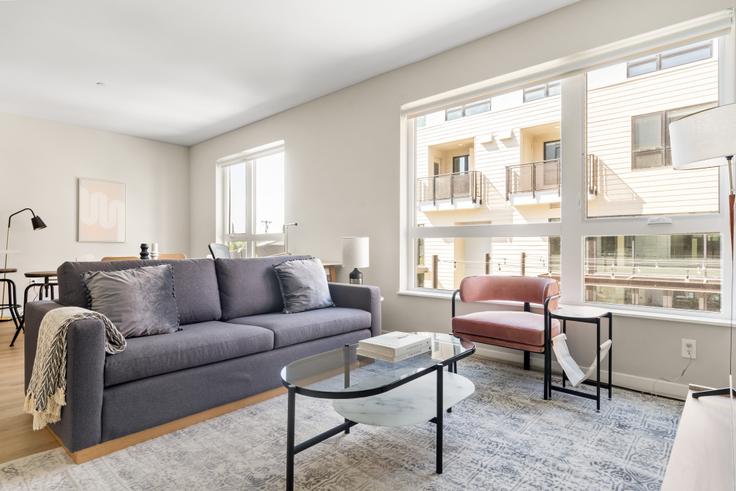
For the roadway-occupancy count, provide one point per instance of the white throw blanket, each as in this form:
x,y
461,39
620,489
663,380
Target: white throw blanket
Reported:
x,y
46,392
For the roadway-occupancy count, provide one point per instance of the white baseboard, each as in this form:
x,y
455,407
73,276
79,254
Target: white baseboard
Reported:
x,y
625,380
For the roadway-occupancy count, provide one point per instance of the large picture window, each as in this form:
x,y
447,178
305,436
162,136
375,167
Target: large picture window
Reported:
x,y
253,203
498,194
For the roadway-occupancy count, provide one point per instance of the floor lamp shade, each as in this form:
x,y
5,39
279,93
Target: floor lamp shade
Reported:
x,y
704,139
355,254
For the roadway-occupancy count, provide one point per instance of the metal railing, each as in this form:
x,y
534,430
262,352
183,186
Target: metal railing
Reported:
x,y
532,177
594,174
458,185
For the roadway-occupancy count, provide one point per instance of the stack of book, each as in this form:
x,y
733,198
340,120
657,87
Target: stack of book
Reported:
x,y
394,346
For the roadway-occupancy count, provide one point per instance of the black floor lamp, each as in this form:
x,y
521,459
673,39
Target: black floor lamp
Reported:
x,y
708,139
37,224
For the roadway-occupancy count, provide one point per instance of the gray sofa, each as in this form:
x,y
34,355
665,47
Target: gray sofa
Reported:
x,y
233,343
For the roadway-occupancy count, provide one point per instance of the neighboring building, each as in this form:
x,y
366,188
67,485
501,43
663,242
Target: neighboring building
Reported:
x,y
497,161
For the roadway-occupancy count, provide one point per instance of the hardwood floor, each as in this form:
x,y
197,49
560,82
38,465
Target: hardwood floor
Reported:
x,y
17,437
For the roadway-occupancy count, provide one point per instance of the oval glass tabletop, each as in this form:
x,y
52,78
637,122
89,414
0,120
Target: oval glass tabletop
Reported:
x,y
342,373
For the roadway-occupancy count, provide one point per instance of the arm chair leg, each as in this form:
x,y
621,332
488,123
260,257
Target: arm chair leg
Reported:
x,y
527,360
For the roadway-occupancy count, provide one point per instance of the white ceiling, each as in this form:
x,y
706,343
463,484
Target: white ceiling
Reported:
x,y
182,71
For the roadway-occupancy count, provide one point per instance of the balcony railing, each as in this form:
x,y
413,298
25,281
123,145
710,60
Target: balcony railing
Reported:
x,y
533,177
594,174
451,187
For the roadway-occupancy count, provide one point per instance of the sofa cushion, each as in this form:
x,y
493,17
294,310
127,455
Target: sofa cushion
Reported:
x,y
139,301
249,286
523,328
303,285
195,285
195,345
290,329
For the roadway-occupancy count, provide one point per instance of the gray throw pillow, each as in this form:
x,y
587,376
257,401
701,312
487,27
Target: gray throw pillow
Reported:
x,y
303,285
139,301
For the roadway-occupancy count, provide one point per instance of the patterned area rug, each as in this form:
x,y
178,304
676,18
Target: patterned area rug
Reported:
x,y
503,437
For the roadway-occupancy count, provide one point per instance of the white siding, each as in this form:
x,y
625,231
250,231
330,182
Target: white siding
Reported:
x,y
648,191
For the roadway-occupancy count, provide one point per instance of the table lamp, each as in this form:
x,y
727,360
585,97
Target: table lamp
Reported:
x,y
708,139
355,255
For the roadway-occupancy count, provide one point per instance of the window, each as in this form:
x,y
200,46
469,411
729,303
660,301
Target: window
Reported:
x,y
681,271
506,216
460,163
466,110
493,167
444,262
253,202
650,136
454,113
647,137
478,107
552,150
541,91
628,141
669,59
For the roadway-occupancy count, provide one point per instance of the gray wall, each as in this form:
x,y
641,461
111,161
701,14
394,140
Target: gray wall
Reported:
x,y
342,167
40,162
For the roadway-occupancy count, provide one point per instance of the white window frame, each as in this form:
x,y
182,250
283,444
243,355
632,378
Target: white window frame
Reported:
x,y
575,225
249,157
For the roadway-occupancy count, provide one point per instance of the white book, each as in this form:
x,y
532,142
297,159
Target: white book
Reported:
x,y
383,356
396,344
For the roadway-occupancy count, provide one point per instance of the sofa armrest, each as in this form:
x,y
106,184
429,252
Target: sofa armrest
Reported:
x,y
362,297
81,418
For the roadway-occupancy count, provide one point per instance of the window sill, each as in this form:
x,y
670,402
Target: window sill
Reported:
x,y
616,310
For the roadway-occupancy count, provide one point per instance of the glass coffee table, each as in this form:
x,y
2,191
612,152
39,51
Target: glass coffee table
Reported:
x,y
371,391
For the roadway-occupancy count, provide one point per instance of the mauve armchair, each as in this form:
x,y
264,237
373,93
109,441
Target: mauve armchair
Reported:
x,y
516,329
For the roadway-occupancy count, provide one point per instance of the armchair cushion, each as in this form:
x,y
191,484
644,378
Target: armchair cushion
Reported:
x,y
518,327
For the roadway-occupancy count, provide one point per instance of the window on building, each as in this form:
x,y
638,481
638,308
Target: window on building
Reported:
x,y
460,163
505,217
454,113
253,202
650,136
541,91
670,59
647,141
467,110
552,150
478,107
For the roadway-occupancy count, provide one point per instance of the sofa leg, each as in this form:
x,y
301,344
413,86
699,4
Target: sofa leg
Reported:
x,y
527,360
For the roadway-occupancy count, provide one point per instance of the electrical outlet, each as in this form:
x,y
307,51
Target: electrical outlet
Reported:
x,y
689,347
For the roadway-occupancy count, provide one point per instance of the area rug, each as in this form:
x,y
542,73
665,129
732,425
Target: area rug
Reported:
x,y
503,437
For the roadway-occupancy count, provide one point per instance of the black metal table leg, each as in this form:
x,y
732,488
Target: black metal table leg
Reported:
x,y
440,415
610,356
598,364
346,374
564,331
290,439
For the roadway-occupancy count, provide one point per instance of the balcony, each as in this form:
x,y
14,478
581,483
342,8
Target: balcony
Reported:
x,y
533,182
451,191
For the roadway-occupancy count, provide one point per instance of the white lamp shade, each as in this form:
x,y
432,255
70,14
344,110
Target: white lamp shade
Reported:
x,y
703,139
355,253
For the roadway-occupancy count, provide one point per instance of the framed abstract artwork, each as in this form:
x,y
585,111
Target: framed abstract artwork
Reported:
x,y
101,211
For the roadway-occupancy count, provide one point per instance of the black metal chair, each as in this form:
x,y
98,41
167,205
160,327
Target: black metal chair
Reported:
x,y
219,251
12,301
